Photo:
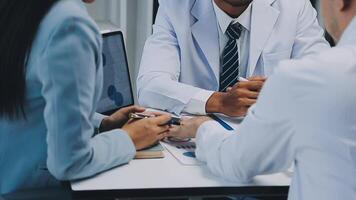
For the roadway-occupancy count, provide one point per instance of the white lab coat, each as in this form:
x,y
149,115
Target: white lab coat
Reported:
x,y
306,114
182,58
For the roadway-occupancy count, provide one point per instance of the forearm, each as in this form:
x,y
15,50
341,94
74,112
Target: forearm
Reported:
x,y
239,156
86,159
215,103
263,143
216,146
69,113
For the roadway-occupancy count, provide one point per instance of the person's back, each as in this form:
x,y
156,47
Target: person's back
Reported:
x,y
23,149
323,118
47,126
313,125
306,115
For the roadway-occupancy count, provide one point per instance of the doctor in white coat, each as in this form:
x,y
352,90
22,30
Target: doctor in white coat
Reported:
x,y
306,114
192,57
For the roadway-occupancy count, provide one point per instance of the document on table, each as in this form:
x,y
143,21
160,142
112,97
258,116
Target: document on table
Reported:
x,y
183,152
231,121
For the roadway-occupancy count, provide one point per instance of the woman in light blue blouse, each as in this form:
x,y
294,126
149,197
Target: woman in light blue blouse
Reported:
x,y
50,82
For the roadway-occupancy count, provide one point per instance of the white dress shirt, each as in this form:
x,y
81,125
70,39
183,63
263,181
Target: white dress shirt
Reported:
x,y
306,115
198,103
181,59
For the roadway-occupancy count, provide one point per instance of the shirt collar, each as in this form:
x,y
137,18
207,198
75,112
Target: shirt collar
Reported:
x,y
224,20
349,36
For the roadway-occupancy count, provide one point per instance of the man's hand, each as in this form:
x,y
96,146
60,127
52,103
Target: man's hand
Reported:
x,y
188,127
146,132
238,99
119,118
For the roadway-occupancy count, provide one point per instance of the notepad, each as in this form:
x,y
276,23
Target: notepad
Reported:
x,y
151,152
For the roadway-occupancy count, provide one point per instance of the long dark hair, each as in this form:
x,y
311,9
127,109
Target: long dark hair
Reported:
x,y
19,22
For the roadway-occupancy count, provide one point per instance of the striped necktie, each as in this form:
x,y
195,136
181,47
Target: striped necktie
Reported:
x,y
229,75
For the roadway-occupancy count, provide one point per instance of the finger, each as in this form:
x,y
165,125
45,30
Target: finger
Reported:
x,y
130,121
156,113
252,94
245,93
252,85
161,120
247,102
133,109
257,78
162,136
235,87
138,109
160,129
228,89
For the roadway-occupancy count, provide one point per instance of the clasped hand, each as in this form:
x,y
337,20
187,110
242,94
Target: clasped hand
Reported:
x,y
236,101
144,132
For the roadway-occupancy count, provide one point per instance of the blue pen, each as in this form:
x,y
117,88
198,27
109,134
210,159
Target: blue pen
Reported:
x,y
221,122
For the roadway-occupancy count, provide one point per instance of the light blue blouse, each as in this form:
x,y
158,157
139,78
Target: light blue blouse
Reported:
x,y
64,80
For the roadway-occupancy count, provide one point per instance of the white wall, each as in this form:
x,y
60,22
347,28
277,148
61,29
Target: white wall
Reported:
x,y
134,18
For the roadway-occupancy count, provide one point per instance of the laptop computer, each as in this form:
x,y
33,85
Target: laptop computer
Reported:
x,y
117,89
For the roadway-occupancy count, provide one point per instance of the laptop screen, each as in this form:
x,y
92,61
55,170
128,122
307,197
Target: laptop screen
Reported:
x,y
117,91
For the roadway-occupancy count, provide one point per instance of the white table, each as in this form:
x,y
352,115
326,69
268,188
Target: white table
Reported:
x,y
167,177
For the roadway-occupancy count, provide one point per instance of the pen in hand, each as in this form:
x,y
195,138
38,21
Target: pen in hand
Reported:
x,y
137,116
241,79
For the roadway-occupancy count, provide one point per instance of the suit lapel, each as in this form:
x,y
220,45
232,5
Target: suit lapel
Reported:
x,y
205,32
264,17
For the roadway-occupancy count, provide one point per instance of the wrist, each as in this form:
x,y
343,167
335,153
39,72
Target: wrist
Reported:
x,y
131,134
215,103
200,123
105,124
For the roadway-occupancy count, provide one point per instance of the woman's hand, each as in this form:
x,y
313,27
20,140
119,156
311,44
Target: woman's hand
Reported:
x,y
146,132
188,127
119,118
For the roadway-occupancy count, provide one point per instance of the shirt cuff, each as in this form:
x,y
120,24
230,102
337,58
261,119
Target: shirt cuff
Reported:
x,y
206,135
119,150
197,105
126,143
97,119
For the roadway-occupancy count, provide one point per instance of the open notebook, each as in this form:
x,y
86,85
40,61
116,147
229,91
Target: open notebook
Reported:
x,y
151,152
